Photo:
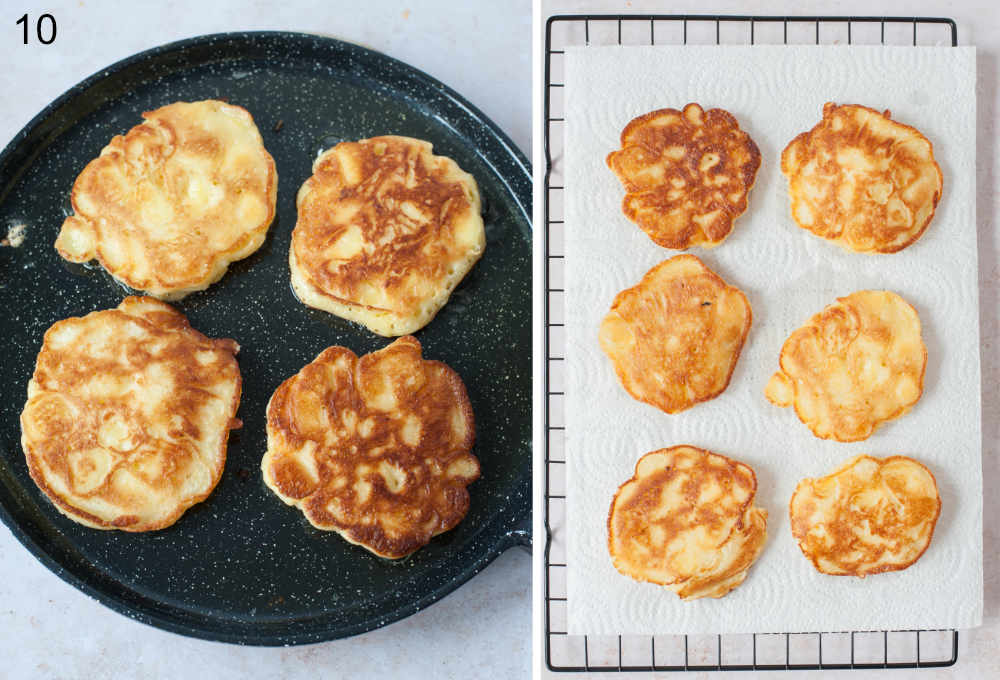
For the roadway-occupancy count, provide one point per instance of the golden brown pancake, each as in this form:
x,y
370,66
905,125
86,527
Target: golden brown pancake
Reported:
x,y
861,180
128,415
386,230
686,174
853,366
166,207
868,516
675,337
376,449
686,520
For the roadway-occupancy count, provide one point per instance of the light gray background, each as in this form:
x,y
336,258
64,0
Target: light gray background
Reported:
x,y
50,630
978,24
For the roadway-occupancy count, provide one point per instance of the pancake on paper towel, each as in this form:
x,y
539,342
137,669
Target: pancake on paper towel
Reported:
x,y
853,366
674,338
862,180
128,415
686,174
168,206
868,516
686,520
385,232
376,449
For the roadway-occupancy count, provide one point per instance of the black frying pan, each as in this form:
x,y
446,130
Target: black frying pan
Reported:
x,y
242,566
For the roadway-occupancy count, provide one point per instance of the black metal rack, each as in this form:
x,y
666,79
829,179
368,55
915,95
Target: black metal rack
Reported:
x,y
757,651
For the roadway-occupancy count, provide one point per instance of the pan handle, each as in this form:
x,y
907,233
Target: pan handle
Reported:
x,y
519,535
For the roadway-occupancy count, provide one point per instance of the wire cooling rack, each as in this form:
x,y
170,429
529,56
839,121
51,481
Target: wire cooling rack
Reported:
x,y
757,651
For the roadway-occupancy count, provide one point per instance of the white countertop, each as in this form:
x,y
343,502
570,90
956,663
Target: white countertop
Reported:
x,y
50,630
978,24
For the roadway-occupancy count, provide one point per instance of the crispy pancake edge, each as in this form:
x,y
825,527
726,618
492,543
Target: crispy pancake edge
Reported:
x,y
384,322
722,586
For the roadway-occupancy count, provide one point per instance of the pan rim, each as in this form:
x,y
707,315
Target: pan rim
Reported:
x,y
206,626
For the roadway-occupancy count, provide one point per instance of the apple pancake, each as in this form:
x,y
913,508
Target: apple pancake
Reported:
x,y
862,180
375,448
128,415
686,174
686,520
868,516
168,206
853,366
675,337
386,231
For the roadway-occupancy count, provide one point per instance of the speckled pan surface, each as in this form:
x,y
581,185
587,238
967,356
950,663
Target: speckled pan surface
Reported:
x,y
242,566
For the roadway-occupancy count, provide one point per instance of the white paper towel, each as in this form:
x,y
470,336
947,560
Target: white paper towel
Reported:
x,y
788,275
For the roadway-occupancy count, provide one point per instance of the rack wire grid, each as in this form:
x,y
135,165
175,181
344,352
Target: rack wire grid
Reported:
x,y
757,651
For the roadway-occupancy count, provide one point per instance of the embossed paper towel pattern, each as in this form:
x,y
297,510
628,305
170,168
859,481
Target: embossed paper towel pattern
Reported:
x,y
788,275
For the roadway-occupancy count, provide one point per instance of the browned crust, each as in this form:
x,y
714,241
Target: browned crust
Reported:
x,y
130,522
901,411
442,391
828,109
878,570
118,143
684,240
622,378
